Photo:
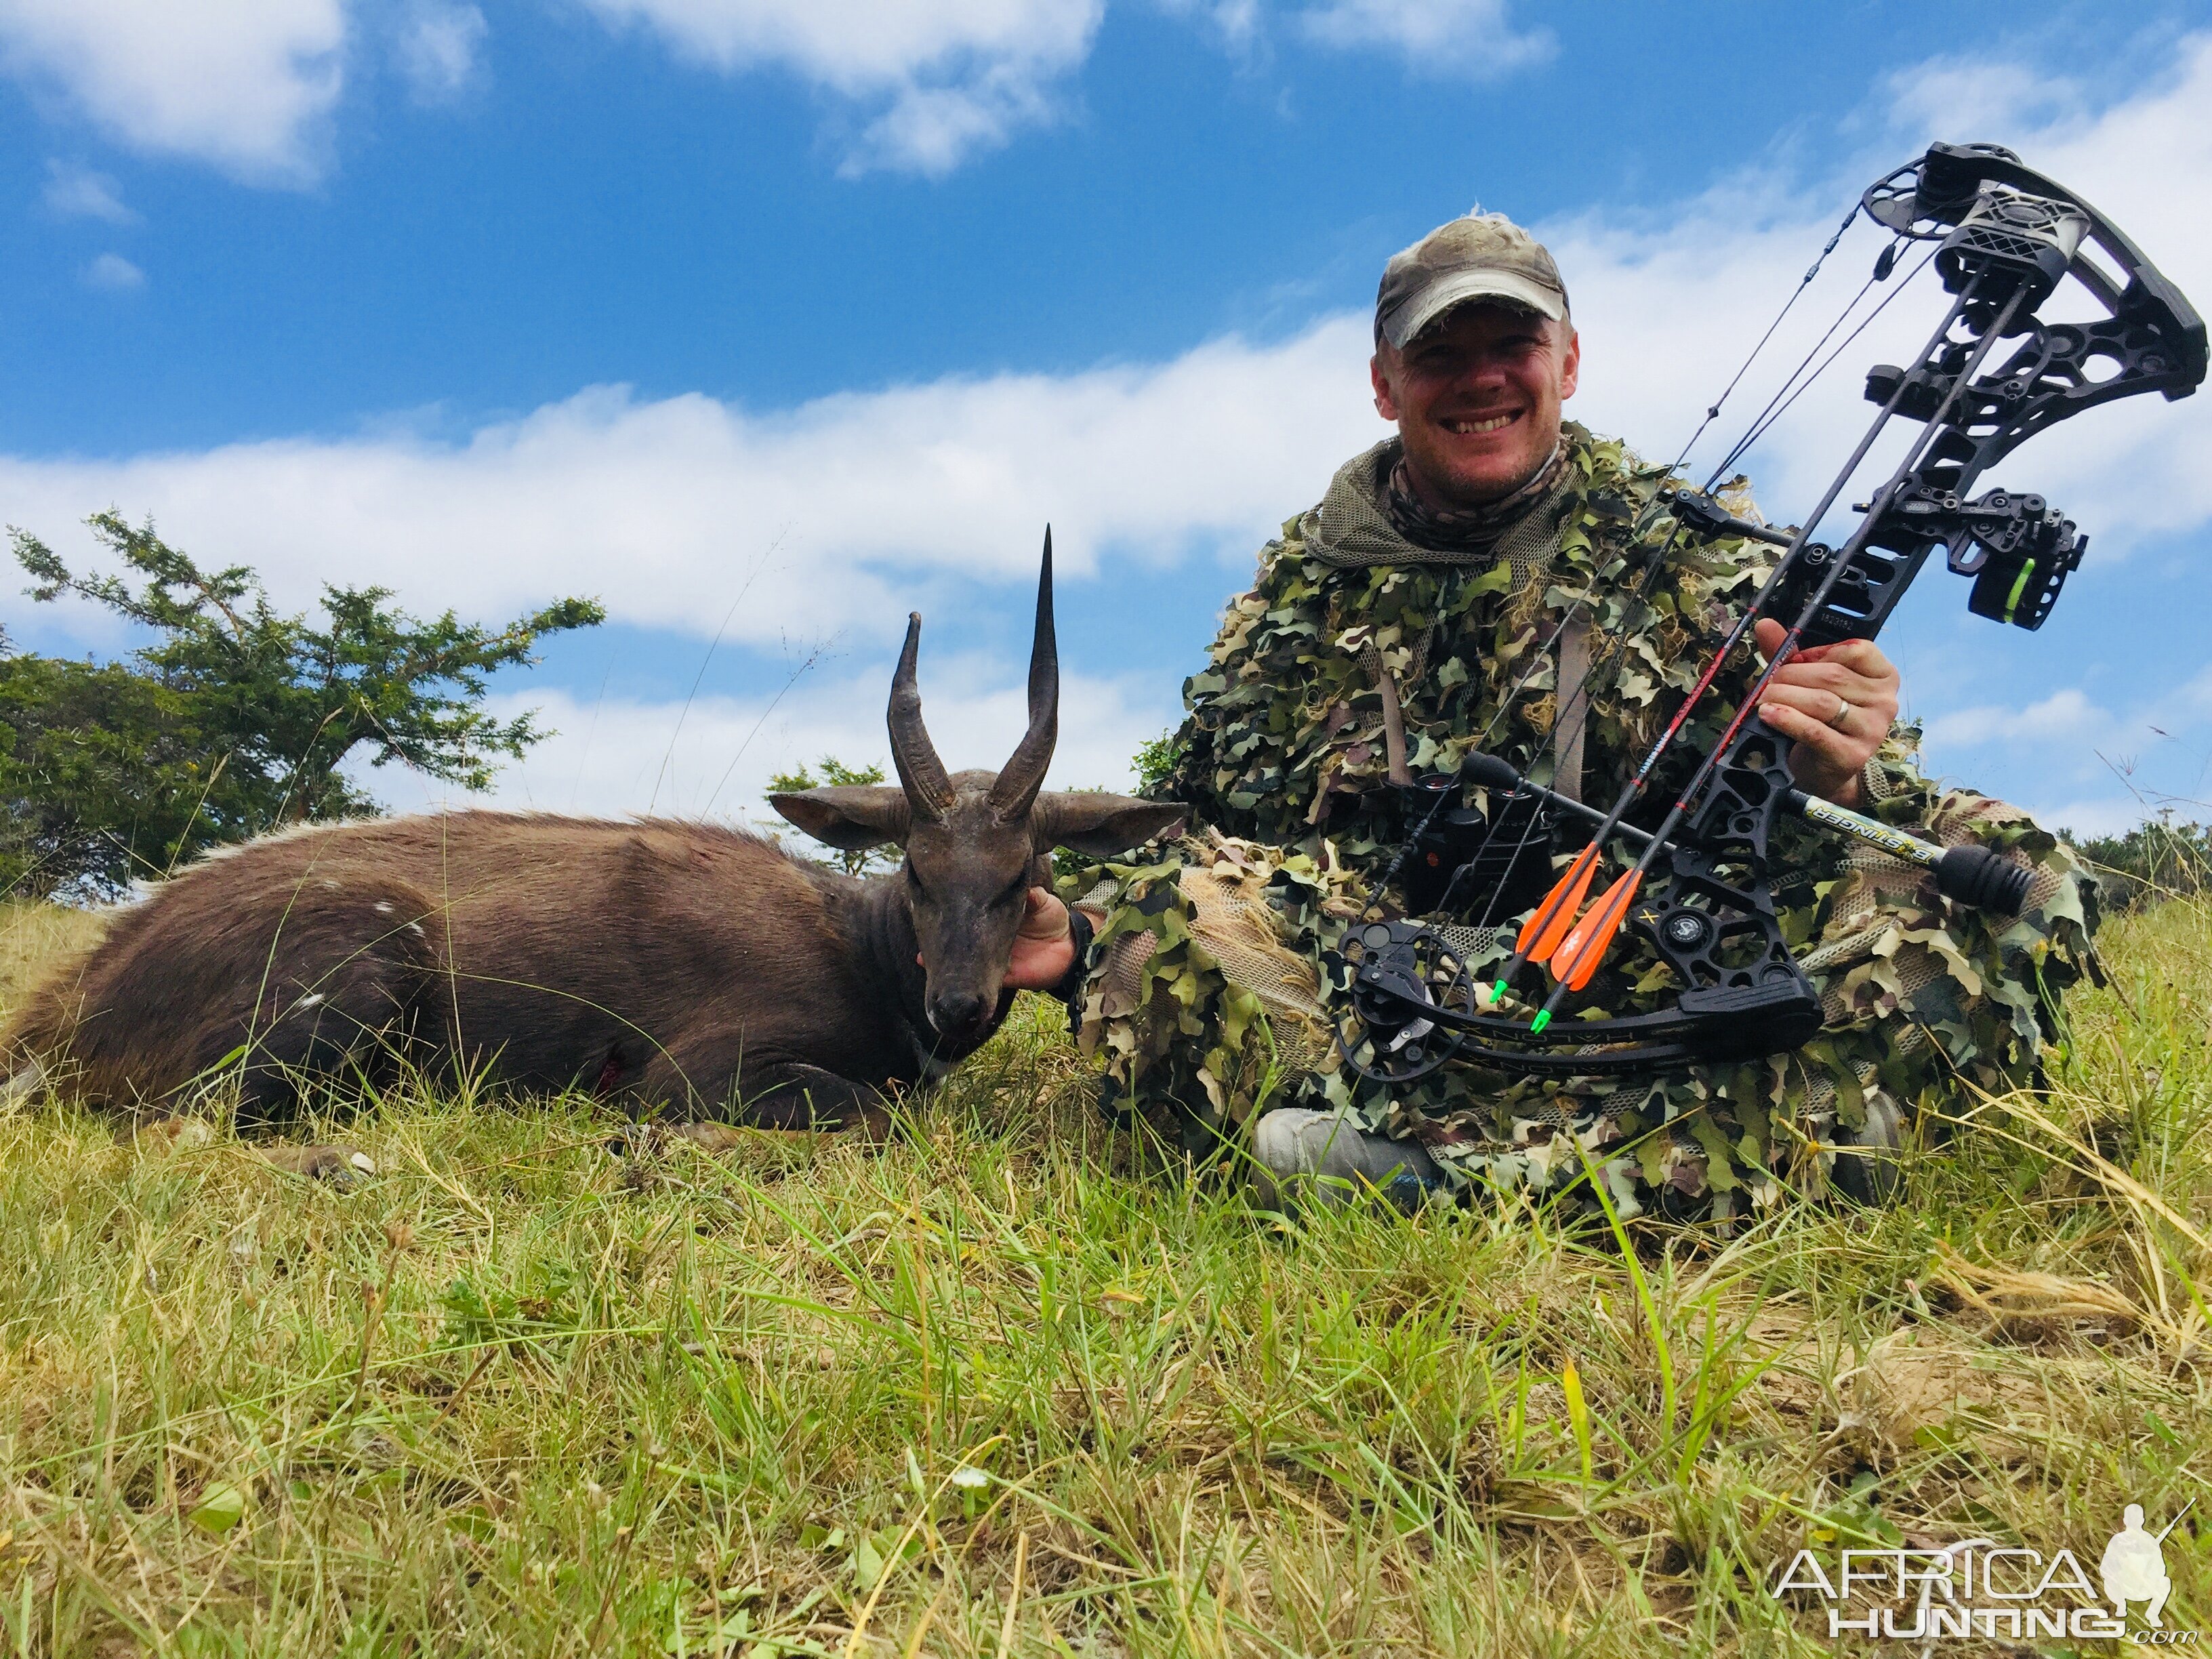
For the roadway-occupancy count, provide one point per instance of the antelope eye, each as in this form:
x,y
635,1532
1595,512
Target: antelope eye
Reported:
x,y
1017,892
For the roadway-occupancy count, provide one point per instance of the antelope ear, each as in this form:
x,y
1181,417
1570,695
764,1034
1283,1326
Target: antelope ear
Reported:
x,y
1100,824
849,816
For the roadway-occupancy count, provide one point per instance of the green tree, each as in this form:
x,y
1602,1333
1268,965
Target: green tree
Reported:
x,y
834,773
94,763
233,718
2162,858
1155,762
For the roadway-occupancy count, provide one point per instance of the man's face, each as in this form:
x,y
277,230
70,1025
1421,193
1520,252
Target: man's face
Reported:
x,y
1476,396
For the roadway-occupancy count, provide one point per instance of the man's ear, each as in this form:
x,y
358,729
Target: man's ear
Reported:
x,y
849,816
1100,824
1571,363
1378,377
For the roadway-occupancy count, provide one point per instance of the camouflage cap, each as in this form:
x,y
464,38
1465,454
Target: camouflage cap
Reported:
x,y
1481,257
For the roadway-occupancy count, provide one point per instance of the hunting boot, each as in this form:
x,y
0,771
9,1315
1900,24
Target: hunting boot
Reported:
x,y
1300,1155
1867,1165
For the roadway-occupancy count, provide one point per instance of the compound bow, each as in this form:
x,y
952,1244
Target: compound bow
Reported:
x,y
2009,239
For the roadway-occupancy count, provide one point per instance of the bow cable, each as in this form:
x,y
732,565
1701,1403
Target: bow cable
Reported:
x,y
1657,559
1580,953
1778,405
1542,934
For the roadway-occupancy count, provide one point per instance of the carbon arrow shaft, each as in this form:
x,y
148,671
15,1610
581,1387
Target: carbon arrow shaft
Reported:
x,y
1838,565
1563,892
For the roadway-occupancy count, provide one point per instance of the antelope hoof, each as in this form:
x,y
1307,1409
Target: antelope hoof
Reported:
x,y
650,1140
712,1137
342,1166
175,1134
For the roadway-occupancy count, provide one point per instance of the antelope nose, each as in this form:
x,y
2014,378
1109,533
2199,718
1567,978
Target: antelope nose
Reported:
x,y
956,1013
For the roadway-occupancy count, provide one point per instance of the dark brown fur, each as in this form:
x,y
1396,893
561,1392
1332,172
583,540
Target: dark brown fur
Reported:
x,y
673,966
660,963
556,953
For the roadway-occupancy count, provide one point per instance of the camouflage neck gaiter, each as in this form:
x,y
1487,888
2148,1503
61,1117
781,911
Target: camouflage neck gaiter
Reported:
x,y
1356,524
1466,530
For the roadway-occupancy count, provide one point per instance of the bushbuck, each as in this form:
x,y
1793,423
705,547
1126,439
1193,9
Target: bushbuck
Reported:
x,y
679,969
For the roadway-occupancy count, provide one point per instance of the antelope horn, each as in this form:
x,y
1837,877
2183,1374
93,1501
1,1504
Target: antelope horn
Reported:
x,y
928,791
1018,784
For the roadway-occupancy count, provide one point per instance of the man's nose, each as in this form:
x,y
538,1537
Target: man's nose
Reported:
x,y
1483,372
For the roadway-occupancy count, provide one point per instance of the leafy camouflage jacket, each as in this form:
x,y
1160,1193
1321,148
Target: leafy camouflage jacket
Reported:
x,y
1287,749
1285,742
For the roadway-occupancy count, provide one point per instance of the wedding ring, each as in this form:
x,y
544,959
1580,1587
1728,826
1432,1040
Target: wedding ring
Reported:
x,y
1843,705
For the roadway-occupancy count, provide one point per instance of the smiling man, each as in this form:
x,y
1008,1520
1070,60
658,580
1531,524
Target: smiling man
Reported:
x,y
1423,609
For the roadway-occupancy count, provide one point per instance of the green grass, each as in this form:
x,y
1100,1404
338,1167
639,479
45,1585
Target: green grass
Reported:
x,y
1011,1386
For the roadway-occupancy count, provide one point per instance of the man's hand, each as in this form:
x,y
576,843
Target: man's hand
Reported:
x,y
1834,704
1044,950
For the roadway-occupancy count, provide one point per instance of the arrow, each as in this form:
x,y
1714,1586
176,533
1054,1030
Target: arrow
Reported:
x,y
1548,924
1542,933
1577,957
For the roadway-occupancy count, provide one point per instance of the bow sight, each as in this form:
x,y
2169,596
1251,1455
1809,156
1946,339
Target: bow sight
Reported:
x,y
2007,240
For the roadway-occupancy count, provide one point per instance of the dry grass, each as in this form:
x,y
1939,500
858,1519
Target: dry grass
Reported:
x,y
35,937
1010,1387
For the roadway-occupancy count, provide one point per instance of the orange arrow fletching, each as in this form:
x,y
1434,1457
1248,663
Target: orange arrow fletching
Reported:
x,y
1578,956
1542,933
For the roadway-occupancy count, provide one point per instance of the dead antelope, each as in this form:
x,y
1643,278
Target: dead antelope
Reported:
x,y
674,967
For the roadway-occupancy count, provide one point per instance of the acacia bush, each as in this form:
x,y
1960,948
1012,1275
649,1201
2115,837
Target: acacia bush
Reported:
x,y
231,718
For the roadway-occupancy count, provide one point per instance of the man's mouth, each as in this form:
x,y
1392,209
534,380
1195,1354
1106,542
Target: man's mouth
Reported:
x,y
1473,428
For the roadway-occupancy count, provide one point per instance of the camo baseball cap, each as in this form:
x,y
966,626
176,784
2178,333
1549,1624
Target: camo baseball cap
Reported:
x,y
1484,255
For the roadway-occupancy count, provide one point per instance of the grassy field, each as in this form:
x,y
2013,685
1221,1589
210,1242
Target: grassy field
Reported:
x,y
1012,1387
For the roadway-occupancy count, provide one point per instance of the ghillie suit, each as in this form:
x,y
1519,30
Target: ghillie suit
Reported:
x,y
1206,994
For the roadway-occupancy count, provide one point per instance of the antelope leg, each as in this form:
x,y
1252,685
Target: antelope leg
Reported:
x,y
763,1094
341,1166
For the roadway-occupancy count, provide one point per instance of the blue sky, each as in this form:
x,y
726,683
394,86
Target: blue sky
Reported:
x,y
765,320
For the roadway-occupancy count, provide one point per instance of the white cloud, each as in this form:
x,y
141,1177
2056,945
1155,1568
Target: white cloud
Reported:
x,y
2156,753
870,497
1974,94
78,192
245,84
1435,36
918,86
114,274
612,757
938,80
2062,716
1236,22
437,48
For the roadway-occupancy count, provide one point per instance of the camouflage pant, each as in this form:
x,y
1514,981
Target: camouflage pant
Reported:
x,y
1205,997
